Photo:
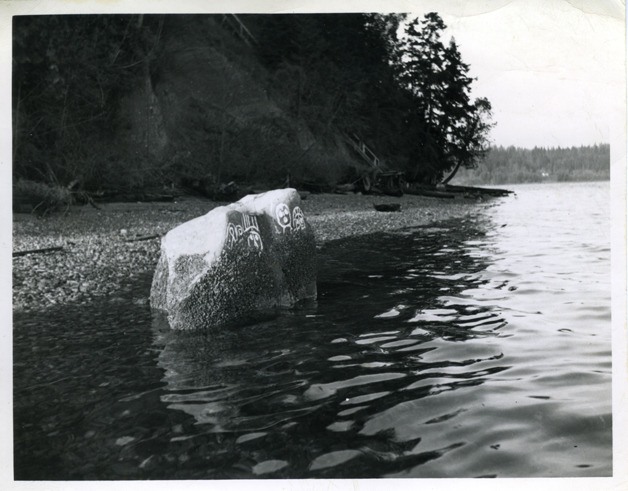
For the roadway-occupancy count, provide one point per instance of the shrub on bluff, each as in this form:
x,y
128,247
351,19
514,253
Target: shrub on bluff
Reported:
x,y
235,262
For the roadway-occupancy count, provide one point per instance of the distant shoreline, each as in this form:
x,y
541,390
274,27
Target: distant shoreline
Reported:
x,y
549,180
98,252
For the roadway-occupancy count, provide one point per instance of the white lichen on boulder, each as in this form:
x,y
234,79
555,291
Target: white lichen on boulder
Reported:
x,y
236,262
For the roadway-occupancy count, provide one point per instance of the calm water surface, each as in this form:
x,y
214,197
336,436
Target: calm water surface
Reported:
x,y
474,347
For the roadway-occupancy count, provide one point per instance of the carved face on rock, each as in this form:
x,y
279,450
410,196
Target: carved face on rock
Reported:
x,y
298,221
254,240
232,235
282,212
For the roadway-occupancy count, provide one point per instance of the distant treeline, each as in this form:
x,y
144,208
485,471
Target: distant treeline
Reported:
x,y
517,165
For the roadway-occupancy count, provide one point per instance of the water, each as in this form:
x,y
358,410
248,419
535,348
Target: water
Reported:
x,y
476,347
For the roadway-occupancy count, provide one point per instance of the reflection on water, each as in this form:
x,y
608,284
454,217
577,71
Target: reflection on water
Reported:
x,y
463,350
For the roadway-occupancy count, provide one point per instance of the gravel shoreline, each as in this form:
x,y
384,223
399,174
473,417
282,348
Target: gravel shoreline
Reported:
x,y
97,255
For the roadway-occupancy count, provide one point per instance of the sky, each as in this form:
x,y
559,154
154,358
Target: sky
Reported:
x,y
554,72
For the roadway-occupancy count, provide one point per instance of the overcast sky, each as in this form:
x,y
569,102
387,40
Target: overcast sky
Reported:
x,y
553,71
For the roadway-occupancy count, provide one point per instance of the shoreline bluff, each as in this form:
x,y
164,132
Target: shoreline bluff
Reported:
x,y
104,250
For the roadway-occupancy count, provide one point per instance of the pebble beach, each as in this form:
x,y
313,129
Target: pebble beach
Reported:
x,y
101,249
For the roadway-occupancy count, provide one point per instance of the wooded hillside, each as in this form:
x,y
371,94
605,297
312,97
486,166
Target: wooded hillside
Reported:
x,y
129,102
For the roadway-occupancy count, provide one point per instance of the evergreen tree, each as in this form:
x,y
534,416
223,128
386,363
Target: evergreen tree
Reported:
x,y
335,69
452,130
69,72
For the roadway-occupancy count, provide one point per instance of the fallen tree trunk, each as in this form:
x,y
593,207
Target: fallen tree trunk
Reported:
x,y
472,189
432,193
144,237
449,191
37,251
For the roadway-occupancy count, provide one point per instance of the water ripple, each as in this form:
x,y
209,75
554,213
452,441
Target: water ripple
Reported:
x,y
463,350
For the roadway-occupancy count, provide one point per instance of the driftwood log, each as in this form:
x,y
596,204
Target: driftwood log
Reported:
x,y
144,237
37,251
471,189
387,207
450,192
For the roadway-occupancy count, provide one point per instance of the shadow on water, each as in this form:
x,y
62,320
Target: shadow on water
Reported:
x,y
381,377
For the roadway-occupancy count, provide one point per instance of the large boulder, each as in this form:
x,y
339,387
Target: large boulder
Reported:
x,y
236,262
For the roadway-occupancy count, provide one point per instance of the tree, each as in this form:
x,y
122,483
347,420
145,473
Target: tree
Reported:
x,y
69,72
334,69
451,130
